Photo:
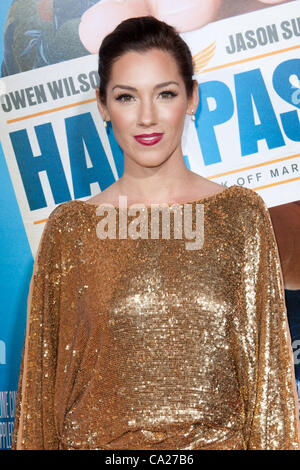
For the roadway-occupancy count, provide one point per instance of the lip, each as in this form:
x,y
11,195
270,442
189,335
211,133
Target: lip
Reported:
x,y
149,135
141,138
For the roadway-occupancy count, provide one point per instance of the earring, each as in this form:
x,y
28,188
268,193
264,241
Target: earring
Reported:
x,y
193,116
105,123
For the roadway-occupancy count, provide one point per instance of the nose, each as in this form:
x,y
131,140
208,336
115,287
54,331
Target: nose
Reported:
x,y
147,113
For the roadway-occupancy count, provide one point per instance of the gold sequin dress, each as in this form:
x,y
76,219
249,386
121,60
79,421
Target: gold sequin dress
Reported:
x,y
145,344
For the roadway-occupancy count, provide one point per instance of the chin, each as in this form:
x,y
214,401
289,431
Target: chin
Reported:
x,y
150,161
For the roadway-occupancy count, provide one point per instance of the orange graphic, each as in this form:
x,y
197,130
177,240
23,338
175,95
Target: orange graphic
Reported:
x,y
202,58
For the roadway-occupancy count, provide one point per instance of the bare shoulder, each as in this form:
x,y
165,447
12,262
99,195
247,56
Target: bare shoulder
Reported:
x,y
204,187
214,188
201,188
108,195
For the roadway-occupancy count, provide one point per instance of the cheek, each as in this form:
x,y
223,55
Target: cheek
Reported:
x,y
175,115
121,120
173,112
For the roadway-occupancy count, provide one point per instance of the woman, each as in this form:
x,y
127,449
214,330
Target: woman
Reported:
x,y
141,343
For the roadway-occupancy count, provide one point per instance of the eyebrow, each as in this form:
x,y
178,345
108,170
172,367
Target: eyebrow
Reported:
x,y
160,85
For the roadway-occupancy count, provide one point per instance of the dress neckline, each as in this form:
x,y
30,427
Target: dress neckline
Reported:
x,y
169,204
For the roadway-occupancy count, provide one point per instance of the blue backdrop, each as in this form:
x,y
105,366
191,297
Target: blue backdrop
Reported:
x,y
15,274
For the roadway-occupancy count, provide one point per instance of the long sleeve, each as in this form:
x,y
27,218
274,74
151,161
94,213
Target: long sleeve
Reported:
x,y
35,426
265,358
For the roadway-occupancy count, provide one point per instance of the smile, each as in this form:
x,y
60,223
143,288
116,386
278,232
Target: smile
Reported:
x,y
149,140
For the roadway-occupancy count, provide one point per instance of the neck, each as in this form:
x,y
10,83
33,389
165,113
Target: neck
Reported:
x,y
156,188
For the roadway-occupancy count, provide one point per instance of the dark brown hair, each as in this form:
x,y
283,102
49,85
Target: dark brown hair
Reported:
x,y
142,34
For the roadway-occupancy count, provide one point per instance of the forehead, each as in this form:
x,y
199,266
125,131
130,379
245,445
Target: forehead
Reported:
x,y
152,65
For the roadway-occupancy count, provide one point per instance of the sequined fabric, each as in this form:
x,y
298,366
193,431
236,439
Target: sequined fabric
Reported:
x,y
143,344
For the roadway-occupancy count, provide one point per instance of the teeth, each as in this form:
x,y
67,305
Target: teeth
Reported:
x,y
149,138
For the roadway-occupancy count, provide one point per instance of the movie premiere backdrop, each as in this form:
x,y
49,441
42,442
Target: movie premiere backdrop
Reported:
x,y
54,147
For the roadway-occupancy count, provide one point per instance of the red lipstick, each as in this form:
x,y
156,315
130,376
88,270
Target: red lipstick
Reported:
x,y
148,139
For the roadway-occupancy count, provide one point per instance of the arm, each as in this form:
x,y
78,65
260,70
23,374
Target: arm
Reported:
x,y
265,358
34,426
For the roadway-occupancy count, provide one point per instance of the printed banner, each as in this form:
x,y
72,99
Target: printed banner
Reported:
x,y
247,123
54,139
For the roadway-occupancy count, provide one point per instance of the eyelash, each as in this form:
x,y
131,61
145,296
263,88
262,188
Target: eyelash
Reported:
x,y
171,94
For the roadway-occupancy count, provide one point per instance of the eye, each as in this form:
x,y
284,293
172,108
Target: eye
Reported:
x,y
169,94
126,98
124,95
